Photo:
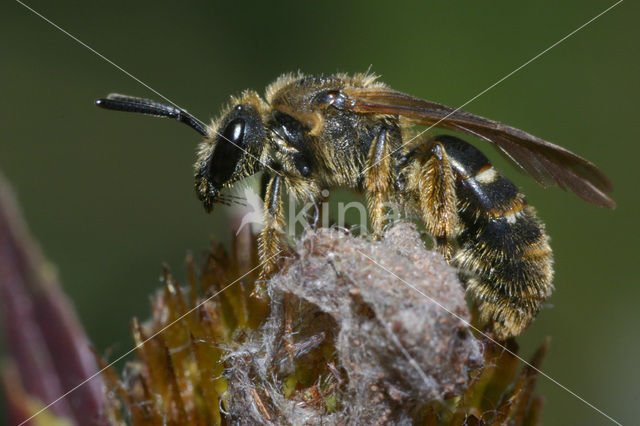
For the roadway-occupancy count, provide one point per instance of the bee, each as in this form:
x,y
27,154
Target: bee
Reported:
x,y
312,133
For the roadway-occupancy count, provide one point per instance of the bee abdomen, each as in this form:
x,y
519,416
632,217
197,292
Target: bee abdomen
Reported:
x,y
505,263
503,252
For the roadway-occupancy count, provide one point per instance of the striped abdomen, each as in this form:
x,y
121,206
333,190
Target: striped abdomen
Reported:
x,y
503,253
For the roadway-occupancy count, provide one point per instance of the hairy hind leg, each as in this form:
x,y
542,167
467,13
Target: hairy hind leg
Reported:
x,y
433,181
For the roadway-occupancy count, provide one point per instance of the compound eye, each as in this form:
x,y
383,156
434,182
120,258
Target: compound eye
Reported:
x,y
234,132
229,149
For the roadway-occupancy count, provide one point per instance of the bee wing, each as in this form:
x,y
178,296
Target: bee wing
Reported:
x,y
545,162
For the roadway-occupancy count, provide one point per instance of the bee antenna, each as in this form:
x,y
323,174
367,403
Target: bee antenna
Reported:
x,y
125,103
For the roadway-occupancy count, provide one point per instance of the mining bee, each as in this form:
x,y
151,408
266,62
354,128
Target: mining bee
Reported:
x,y
312,133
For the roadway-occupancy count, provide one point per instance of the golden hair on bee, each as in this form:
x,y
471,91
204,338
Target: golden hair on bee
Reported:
x,y
313,133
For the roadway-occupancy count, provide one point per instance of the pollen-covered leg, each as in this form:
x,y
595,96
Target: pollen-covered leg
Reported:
x,y
378,179
271,239
436,189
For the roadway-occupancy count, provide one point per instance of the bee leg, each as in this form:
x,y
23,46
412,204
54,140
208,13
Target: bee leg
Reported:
x,y
378,181
271,239
437,196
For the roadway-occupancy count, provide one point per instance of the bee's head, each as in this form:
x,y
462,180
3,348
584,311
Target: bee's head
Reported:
x,y
232,151
232,146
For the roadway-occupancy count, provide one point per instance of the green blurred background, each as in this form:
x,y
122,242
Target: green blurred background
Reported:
x,y
109,195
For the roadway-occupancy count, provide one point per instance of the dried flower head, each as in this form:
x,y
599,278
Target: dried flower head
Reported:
x,y
339,340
